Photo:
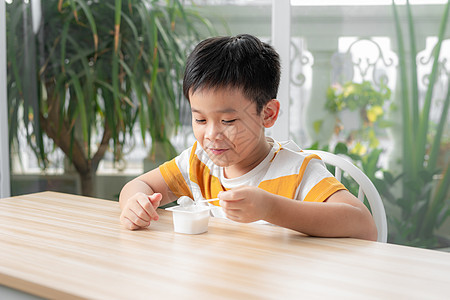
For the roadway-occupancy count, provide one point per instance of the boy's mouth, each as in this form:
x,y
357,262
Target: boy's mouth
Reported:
x,y
217,151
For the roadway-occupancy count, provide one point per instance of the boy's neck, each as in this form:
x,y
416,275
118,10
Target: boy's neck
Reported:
x,y
261,152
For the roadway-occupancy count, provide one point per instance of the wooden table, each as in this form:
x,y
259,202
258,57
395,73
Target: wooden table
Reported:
x,y
68,247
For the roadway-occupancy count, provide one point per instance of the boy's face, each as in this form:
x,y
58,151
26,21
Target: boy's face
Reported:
x,y
229,129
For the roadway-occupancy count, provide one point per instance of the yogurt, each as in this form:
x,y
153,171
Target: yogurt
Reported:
x,y
185,201
192,219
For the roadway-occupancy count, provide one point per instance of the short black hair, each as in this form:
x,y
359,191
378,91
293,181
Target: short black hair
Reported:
x,y
242,62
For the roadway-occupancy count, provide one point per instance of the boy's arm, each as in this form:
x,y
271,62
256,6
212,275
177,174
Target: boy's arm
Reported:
x,y
342,215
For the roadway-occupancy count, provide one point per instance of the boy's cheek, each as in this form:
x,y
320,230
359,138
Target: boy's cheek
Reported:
x,y
230,132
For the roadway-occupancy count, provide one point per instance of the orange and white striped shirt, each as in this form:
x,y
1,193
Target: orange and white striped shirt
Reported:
x,y
286,171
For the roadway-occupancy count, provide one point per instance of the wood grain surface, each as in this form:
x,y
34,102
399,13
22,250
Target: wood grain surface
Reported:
x,y
63,246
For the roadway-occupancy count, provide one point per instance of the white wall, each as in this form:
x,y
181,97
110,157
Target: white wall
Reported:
x,y
4,149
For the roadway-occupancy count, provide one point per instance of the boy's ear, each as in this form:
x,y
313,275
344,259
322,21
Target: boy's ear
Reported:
x,y
270,113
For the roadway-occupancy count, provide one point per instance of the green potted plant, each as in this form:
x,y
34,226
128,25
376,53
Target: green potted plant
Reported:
x,y
101,67
423,202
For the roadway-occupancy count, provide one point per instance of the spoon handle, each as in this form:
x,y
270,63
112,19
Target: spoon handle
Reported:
x,y
207,200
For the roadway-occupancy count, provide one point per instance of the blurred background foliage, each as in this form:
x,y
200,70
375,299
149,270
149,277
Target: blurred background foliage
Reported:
x,y
416,195
92,70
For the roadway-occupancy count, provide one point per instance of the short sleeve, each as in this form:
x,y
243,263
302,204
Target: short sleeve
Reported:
x,y
176,174
317,183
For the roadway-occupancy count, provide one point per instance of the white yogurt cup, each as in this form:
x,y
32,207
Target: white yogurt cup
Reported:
x,y
190,220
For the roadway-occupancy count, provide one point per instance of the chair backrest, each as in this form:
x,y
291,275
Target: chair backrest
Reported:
x,y
366,187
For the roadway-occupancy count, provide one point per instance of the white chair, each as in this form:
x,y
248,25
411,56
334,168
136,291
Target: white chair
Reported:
x,y
366,188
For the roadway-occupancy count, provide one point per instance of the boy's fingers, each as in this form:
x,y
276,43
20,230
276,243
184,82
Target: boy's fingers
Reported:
x,y
136,215
231,204
147,206
140,223
232,196
155,199
239,193
228,196
136,209
232,215
128,224
139,217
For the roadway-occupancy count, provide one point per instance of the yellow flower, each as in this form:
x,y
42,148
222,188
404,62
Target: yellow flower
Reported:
x,y
348,90
359,149
374,112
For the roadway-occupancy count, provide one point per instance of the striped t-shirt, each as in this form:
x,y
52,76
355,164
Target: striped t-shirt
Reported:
x,y
286,171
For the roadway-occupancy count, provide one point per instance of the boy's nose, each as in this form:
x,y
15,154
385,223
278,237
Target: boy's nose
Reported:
x,y
214,132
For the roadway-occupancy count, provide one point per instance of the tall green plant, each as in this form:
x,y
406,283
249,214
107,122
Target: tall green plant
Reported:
x,y
101,67
424,204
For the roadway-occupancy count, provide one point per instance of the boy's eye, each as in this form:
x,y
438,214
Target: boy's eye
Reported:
x,y
228,122
200,121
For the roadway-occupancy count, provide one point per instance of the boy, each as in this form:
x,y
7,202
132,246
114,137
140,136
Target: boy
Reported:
x,y
232,84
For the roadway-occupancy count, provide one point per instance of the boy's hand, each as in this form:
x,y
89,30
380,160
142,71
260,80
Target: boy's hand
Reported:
x,y
246,204
140,210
